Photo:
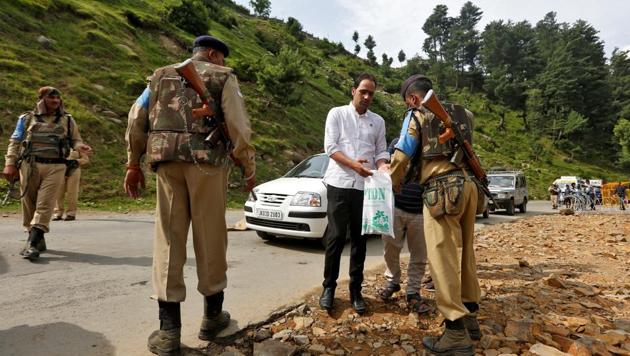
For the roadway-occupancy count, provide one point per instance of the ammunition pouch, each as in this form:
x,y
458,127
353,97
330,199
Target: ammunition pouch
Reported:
x,y
442,194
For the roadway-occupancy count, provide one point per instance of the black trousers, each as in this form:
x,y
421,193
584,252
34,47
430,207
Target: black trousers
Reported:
x,y
345,209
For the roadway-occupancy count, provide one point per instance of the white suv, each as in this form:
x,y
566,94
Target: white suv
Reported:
x,y
509,191
291,206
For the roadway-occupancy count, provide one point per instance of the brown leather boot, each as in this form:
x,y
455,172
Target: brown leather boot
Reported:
x,y
454,341
214,319
166,341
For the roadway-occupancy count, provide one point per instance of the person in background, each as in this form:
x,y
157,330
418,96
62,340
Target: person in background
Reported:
x,y
408,227
553,193
620,191
70,188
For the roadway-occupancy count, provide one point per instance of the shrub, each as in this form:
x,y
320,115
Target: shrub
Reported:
x,y
191,16
295,28
281,76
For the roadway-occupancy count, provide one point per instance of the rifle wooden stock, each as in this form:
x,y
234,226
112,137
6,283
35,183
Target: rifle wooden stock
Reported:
x,y
187,70
452,131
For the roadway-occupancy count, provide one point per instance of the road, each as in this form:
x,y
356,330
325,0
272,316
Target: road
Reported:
x,y
89,293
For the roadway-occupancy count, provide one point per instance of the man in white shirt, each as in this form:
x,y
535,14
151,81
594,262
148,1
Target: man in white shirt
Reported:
x,y
355,140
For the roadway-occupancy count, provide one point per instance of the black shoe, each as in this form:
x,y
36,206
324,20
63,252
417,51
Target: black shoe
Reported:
x,y
327,297
69,218
358,303
472,326
215,319
30,253
56,218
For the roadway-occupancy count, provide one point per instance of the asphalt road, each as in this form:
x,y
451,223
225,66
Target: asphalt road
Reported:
x,y
89,293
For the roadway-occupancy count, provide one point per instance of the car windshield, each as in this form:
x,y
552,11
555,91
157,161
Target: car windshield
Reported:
x,y
312,167
501,181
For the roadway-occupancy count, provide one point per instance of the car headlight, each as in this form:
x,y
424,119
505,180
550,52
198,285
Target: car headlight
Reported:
x,y
307,199
252,195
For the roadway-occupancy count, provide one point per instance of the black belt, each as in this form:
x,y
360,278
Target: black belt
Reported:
x,y
50,160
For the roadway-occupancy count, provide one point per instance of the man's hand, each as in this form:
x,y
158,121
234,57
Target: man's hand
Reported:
x,y
358,167
250,181
384,168
11,173
396,188
134,178
83,148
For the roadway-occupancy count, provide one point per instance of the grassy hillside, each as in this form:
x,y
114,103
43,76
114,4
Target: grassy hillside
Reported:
x,y
98,53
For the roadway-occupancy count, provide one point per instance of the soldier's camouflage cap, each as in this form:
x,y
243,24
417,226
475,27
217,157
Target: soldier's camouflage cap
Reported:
x,y
212,42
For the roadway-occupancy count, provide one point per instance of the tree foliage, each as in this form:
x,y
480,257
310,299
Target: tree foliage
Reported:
x,y
281,76
295,28
191,16
401,56
261,8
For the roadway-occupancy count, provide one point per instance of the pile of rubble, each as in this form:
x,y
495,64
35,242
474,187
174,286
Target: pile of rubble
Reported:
x,y
551,285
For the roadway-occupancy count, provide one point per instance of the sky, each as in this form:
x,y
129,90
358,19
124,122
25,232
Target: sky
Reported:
x,y
397,24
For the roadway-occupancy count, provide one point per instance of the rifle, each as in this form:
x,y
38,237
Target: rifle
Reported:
x,y
431,102
187,71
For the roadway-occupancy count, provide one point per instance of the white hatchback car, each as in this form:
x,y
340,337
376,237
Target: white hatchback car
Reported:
x,y
292,206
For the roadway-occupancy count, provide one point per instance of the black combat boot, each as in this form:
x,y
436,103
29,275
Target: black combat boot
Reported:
x,y
358,303
165,342
215,318
35,240
470,321
454,341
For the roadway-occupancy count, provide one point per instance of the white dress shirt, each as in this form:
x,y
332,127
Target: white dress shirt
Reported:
x,y
357,137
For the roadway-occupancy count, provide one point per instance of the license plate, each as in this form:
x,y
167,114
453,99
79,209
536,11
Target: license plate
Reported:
x,y
269,214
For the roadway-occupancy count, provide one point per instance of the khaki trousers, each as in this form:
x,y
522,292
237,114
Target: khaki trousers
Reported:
x,y
554,201
189,193
69,190
407,226
452,257
41,181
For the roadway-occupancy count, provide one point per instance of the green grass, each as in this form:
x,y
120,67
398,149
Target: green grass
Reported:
x,y
102,52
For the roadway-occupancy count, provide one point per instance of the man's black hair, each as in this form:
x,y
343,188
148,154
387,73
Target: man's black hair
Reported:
x,y
420,85
362,77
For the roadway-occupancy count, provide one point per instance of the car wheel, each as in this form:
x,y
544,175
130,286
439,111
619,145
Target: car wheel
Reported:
x,y
486,214
510,207
523,207
265,236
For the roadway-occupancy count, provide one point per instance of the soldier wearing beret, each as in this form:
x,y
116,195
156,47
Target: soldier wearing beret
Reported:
x,y
450,205
191,183
37,156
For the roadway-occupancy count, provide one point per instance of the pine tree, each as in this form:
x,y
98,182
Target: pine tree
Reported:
x,y
401,56
261,8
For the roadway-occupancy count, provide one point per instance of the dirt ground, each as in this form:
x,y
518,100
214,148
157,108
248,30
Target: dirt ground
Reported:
x,y
551,285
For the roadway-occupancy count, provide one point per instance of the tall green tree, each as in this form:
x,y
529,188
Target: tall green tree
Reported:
x,y
620,83
510,61
370,44
261,8
438,30
357,47
462,48
401,56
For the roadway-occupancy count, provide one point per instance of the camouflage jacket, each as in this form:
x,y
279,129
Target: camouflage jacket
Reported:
x,y
161,126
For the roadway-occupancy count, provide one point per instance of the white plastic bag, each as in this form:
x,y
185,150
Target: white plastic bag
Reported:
x,y
378,205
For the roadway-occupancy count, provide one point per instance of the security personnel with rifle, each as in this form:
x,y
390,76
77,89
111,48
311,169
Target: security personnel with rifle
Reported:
x,y
187,123
37,154
451,176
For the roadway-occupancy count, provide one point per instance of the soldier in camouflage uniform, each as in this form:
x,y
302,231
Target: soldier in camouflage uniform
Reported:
x,y
191,183
450,205
38,148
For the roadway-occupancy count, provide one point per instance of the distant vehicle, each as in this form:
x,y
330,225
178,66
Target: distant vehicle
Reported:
x,y
292,206
509,191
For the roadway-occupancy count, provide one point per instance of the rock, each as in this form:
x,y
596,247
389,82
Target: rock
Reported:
x,y
303,309
523,330
231,351
544,350
489,342
574,323
405,337
282,335
566,211
377,345
506,350
301,340
317,349
556,330
408,348
274,348
318,331
554,281
262,334
46,42
398,353
618,351
523,263
613,337
413,320
362,328
302,322
491,352
623,324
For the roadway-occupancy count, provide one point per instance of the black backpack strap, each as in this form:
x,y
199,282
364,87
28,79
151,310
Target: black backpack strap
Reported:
x,y
412,171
